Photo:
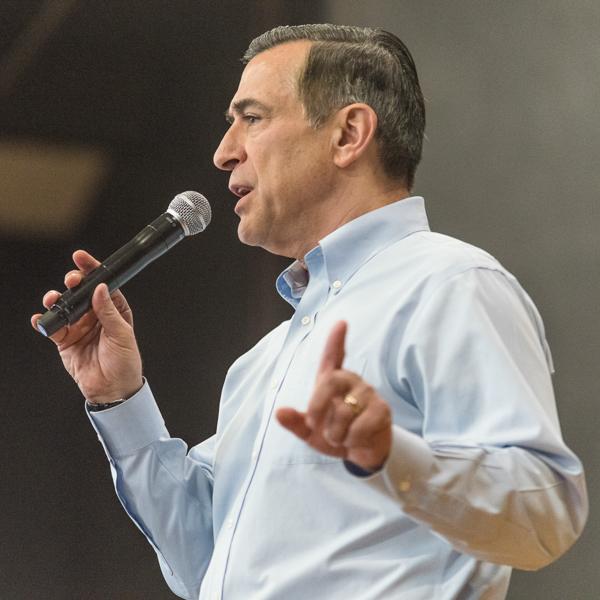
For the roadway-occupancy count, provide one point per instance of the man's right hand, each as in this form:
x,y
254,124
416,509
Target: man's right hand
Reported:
x,y
99,351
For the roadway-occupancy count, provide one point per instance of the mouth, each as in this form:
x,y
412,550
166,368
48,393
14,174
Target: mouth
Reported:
x,y
240,190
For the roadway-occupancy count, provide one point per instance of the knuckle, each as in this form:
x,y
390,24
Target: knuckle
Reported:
x,y
383,407
333,383
335,377
323,379
344,412
378,414
366,389
343,380
356,437
315,408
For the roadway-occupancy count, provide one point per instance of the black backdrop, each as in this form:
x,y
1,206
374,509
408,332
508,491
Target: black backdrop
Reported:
x,y
148,82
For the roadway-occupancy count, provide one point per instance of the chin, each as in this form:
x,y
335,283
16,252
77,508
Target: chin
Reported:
x,y
245,235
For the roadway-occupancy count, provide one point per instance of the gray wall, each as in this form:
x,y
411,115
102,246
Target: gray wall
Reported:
x,y
510,164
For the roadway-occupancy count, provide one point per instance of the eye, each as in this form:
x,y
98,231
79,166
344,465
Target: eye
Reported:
x,y
251,119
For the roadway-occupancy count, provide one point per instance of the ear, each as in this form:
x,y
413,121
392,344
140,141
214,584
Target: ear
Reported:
x,y
354,131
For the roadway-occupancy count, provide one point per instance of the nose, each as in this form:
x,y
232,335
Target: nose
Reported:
x,y
230,151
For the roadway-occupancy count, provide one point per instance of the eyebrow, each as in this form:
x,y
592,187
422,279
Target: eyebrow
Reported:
x,y
239,106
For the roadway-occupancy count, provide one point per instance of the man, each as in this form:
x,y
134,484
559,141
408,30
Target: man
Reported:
x,y
397,437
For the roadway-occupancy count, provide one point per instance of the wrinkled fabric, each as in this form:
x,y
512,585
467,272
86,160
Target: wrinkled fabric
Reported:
x,y
478,480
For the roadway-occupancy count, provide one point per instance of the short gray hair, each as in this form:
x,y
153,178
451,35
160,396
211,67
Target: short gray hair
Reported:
x,y
349,64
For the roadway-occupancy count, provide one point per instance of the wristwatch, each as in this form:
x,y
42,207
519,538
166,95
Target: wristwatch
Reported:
x,y
98,407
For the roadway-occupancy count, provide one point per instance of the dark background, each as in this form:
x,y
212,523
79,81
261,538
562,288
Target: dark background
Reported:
x,y
510,164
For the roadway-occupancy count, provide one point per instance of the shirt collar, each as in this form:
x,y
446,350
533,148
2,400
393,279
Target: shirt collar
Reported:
x,y
347,248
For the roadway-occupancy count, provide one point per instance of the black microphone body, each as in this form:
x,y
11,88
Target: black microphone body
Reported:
x,y
149,244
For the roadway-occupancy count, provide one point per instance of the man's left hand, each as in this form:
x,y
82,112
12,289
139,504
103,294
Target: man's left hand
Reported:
x,y
345,417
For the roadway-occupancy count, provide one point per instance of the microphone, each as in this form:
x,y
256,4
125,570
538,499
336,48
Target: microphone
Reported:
x,y
188,214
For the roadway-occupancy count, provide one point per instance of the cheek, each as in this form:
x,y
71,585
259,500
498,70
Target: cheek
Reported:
x,y
287,165
275,172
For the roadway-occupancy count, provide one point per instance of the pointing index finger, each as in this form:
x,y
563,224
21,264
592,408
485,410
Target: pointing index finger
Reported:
x,y
333,354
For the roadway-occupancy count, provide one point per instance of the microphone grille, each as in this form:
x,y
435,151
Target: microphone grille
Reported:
x,y
193,211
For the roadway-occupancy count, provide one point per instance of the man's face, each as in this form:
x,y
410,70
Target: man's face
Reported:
x,y
280,165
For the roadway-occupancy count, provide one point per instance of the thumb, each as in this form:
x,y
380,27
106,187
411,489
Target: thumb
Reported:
x,y
106,311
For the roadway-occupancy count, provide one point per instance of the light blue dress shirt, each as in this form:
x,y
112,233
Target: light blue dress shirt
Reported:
x,y
478,477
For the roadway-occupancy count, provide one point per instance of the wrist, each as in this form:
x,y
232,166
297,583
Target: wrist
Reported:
x,y
103,402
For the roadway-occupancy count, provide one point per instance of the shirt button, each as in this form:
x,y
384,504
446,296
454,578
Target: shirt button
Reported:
x,y
274,384
254,455
404,486
229,523
305,320
336,285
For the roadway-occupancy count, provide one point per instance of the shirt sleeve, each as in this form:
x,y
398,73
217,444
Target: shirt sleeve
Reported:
x,y
165,490
489,471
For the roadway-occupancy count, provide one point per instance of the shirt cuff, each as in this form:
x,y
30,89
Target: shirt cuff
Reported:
x,y
130,426
410,463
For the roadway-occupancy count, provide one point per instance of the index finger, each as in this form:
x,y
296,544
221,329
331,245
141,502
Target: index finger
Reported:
x,y
85,261
333,354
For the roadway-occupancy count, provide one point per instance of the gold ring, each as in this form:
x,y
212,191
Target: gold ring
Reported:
x,y
353,404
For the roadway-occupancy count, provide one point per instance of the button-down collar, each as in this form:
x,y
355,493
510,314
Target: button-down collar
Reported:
x,y
346,249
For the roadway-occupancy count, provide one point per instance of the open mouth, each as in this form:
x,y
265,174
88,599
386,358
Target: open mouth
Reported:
x,y
240,190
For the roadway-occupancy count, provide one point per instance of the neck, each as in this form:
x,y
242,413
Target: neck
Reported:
x,y
343,208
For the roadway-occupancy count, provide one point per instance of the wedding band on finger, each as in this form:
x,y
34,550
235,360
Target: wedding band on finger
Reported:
x,y
351,402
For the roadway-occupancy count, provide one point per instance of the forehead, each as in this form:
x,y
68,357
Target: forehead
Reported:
x,y
273,74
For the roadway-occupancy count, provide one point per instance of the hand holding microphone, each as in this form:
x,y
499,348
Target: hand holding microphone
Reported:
x,y
97,346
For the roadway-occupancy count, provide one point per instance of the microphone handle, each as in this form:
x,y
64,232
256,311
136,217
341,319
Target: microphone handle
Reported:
x,y
150,243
